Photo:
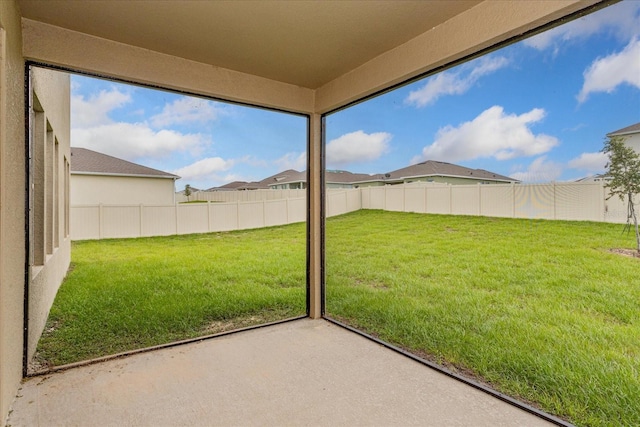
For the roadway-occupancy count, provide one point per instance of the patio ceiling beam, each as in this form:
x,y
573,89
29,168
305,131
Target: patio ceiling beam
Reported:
x,y
86,53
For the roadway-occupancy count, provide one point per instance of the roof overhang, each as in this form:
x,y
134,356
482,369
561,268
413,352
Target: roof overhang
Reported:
x,y
174,177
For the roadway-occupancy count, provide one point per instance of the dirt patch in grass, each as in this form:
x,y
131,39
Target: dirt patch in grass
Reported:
x,y
38,364
632,253
218,326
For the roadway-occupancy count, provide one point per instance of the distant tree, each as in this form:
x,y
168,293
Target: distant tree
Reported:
x,y
623,171
187,191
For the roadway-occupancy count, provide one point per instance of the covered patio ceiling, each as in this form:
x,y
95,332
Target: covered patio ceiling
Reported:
x,y
304,43
299,56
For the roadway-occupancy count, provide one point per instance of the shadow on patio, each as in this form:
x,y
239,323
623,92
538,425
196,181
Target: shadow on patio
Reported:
x,y
304,372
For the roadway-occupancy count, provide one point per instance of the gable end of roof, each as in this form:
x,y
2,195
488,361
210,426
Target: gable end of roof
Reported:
x,y
88,162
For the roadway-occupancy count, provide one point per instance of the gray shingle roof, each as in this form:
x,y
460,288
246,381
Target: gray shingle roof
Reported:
x,y
287,176
347,177
290,175
239,185
436,168
624,131
84,161
331,176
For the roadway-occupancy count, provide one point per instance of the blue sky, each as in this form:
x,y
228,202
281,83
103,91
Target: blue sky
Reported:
x,y
537,110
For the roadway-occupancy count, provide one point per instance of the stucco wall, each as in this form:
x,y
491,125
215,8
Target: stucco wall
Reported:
x,y
121,190
12,187
52,90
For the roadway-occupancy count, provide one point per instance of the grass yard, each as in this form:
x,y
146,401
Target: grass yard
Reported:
x,y
540,310
125,294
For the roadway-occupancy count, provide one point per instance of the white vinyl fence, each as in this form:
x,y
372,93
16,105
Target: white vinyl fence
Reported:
x,y
561,201
241,196
111,221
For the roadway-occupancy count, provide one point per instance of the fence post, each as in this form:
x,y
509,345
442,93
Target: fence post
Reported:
x,y
264,212
554,201
140,219
208,216
404,197
513,197
176,206
479,199
426,194
238,214
100,221
450,199
603,202
346,202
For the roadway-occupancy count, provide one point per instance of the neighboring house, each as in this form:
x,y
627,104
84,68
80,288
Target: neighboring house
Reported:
x,y
97,178
286,180
233,186
344,179
429,171
631,135
593,178
294,180
435,171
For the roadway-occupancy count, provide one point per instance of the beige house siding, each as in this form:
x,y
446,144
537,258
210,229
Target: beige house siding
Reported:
x,y
49,231
121,190
50,240
633,141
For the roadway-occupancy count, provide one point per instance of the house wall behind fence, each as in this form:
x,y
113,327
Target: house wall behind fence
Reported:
x,y
563,201
87,189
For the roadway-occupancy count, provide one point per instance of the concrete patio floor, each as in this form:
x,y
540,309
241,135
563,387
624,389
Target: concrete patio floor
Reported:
x,y
305,372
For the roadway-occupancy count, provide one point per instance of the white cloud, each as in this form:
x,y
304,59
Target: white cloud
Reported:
x,y
205,169
94,111
187,110
540,170
455,83
297,161
606,74
622,19
253,161
492,134
357,147
132,141
590,162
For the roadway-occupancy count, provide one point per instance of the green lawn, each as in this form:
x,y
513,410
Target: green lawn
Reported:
x,y
540,310
125,294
